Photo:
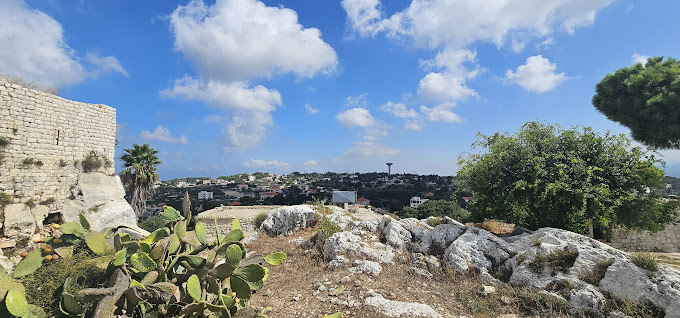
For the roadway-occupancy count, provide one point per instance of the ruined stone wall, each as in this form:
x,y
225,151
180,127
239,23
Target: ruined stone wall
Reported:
x,y
49,137
667,240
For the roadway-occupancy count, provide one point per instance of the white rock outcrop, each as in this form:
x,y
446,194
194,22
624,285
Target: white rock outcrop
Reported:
x,y
288,219
100,198
393,308
19,222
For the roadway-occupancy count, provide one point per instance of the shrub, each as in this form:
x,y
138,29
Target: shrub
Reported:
x,y
633,308
92,162
152,223
48,201
434,221
259,219
31,202
5,199
645,261
43,286
559,260
597,274
4,142
62,163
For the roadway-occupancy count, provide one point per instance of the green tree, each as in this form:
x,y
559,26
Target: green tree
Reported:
x,y
544,175
646,99
139,174
443,208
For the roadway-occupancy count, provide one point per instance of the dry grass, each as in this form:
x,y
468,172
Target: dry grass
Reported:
x,y
495,227
448,293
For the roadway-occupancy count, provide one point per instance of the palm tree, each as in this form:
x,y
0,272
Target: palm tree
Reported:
x,y
139,174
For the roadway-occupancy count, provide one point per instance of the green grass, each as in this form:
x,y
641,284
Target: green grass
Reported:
x,y
259,219
434,221
559,260
645,261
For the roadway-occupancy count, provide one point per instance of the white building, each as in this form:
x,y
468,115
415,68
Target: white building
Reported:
x,y
205,195
416,202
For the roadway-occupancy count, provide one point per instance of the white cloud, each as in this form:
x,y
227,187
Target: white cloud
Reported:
x,y
399,109
106,64
33,47
442,87
441,112
458,23
357,100
369,149
310,163
354,117
259,163
232,42
162,133
638,58
311,109
249,108
536,75
245,39
213,119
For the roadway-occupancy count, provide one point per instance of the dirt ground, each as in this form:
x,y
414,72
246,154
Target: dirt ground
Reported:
x,y
304,287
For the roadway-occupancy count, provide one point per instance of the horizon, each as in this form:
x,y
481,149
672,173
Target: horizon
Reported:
x,y
237,86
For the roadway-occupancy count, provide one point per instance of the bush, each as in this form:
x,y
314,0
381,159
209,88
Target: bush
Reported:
x,y
645,261
559,260
434,221
152,223
31,162
31,202
259,219
43,287
4,142
5,199
92,162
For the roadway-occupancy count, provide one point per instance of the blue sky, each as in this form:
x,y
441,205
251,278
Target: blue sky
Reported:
x,y
229,86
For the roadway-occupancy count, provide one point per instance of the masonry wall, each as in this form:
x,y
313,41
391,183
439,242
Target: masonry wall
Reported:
x,y
667,240
56,134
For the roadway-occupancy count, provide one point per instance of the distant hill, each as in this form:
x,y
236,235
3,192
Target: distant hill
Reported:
x,y
673,170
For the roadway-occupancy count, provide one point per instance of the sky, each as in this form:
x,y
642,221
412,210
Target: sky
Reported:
x,y
230,86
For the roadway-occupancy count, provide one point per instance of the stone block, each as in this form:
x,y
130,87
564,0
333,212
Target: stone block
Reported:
x,y
19,221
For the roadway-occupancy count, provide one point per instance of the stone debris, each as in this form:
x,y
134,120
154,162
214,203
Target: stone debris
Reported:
x,y
393,308
366,267
288,219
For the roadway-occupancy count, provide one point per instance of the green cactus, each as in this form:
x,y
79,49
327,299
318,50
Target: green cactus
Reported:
x,y
16,303
97,243
29,264
186,206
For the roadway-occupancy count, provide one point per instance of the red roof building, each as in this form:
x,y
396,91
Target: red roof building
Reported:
x,y
268,194
235,203
363,201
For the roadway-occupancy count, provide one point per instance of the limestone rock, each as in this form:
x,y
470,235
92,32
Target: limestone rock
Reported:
x,y
366,267
347,243
39,213
397,235
436,241
448,220
288,219
19,221
100,198
392,308
477,249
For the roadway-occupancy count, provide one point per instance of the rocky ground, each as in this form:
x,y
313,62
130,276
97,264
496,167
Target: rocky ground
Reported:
x,y
406,268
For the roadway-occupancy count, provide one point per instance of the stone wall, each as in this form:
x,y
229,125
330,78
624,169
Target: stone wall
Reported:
x,y
667,240
48,139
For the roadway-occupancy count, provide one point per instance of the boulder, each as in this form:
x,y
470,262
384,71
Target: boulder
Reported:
x,y
396,235
436,241
477,250
100,198
39,213
346,243
392,308
19,222
366,267
288,219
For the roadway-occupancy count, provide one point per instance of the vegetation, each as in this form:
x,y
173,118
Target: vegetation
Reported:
x,y
645,261
646,99
30,202
152,223
597,274
31,162
5,199
259,219
139,174
92,162
547,176
558,260
633,309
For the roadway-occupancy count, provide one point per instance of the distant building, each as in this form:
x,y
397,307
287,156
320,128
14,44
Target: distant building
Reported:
x,y
234,203
241,186
429,194
344,198
311,191
467,199
249,194
415,202
363,201
275,188
266,195
206,181
205,195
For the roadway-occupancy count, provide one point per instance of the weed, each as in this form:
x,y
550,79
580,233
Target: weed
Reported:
x,y
259,219
15,131
562,287
559,260
48,201
31,162
31,202
92,162
532,302
633,309
536,243
645,261
5,199
434,221
62,163
43,287
4,142
494,227
597,274
152,223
